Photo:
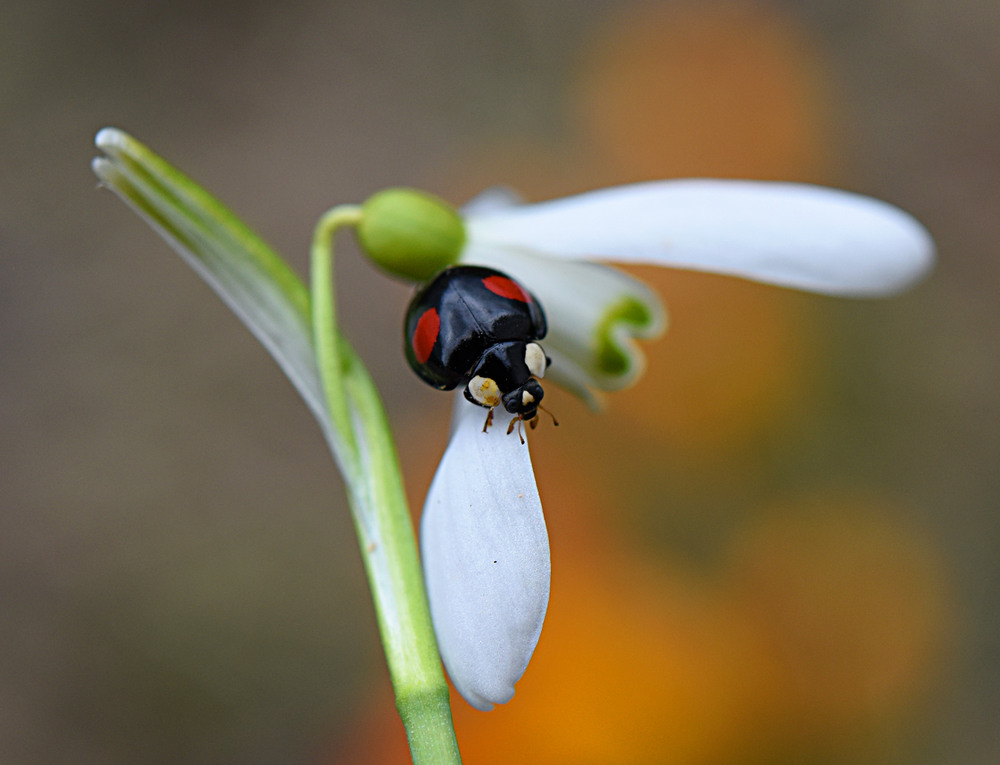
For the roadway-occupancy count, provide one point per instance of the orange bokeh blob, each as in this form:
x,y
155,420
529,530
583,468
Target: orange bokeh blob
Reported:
x,y
677,90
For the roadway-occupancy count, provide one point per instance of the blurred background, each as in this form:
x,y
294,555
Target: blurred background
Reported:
x,y
780,547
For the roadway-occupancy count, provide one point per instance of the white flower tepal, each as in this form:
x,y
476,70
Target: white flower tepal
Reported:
x,y
793,235
486,558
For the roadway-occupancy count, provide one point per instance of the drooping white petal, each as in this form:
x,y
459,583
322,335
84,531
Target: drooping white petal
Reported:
x,y
793,235
486,557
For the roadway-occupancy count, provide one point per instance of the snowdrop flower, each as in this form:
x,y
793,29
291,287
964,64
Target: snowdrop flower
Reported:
x,y
483,539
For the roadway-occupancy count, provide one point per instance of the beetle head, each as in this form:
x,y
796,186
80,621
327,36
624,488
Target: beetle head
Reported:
x,y
523,400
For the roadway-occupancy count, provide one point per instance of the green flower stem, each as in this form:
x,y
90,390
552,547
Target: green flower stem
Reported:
x,y
382,518
298,327
397,585
323,298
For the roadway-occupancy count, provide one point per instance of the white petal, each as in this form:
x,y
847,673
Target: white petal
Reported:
x,y
486,557
794,235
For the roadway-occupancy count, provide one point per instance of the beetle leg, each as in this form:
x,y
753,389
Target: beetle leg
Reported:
x,y
510,428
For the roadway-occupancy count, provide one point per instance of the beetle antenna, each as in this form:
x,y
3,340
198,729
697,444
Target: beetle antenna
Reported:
x,y
489,420
554,420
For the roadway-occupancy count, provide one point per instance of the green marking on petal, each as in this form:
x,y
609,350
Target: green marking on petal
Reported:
x,y
610,356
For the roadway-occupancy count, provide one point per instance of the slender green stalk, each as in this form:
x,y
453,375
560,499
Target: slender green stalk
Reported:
x,y
382,518
323,294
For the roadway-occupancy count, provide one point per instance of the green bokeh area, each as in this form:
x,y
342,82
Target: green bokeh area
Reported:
x,y
179,576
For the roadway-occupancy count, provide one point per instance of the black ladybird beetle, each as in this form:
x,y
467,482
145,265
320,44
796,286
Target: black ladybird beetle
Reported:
x,y
477,327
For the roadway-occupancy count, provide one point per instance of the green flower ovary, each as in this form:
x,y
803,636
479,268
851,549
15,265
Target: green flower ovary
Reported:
x,y
410,234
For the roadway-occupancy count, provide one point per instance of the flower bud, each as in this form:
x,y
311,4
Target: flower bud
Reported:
x,y
410,234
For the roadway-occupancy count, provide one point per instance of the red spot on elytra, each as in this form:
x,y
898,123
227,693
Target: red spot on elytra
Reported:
x,y
504,287
426,333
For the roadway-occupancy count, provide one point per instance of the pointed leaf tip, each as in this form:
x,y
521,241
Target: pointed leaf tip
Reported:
x,y
109,137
